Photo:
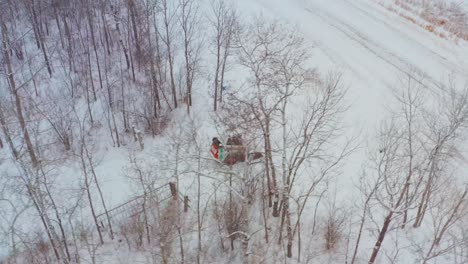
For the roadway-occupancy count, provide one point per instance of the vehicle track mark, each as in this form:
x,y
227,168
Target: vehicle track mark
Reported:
x,y
441,59
390,58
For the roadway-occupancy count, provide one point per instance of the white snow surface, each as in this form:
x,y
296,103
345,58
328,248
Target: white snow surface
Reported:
x,y
372,46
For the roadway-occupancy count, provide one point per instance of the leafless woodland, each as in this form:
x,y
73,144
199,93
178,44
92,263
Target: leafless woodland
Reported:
x,y
78,77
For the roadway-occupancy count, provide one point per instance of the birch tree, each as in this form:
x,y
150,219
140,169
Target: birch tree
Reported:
x,y
225,22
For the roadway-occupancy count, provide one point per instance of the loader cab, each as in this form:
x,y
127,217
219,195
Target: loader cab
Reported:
x,y
230,153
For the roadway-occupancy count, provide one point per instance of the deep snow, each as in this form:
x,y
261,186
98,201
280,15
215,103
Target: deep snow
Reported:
x,y
372,46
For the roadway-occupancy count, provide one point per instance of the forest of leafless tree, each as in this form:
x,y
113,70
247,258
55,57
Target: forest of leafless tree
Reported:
x,y
82,79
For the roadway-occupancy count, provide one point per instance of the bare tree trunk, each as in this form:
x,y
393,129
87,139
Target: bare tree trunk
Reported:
x,y
124,110
388,220
144,204
39,210
361,225
98,187
14,90
154,82
286,175
216,79
269,156
231,28
36,36
424,201
381,237
41,37
161,76
93,40
199,216
224,22
168,41
110,105
88,188
69,43
88,103
57,22
181,244
189,24
46,58
90,68
129,42
446,225
133,15
104,27
124,49
57,215
264,212
6,132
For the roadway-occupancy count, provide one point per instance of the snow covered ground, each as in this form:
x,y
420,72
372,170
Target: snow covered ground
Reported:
x,y
370,45
373,47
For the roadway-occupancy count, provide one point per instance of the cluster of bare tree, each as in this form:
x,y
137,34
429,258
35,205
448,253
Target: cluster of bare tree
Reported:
x,y
412,181
293,115
78,72
70,68
120,56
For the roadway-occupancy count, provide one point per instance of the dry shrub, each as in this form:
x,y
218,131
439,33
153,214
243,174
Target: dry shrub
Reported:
x,y
429,28
28,256
218,215
84,235
133,232
232,220
160,232
439,14
166,229
40,252
412,20
228,215
161,124
404,6
43,247
334,226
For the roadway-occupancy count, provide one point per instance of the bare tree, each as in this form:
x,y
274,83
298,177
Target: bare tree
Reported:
x,y
445,127
15,91
414,152
57,109
11,209
6,130
280,78
253,43
166,34
224,20
391,184
88,163
446,215
190,24
118,19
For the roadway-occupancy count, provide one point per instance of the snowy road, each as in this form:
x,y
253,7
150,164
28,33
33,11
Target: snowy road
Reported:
x,y
388,38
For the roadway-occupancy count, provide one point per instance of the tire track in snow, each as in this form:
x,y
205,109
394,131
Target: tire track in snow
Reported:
x,y
336,59
441,59
329,54
387,56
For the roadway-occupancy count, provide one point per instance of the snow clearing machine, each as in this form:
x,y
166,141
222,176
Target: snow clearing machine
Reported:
x,y
232,152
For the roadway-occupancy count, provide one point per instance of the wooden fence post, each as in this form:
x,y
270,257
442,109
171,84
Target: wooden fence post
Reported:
x,y
186,201
173,190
